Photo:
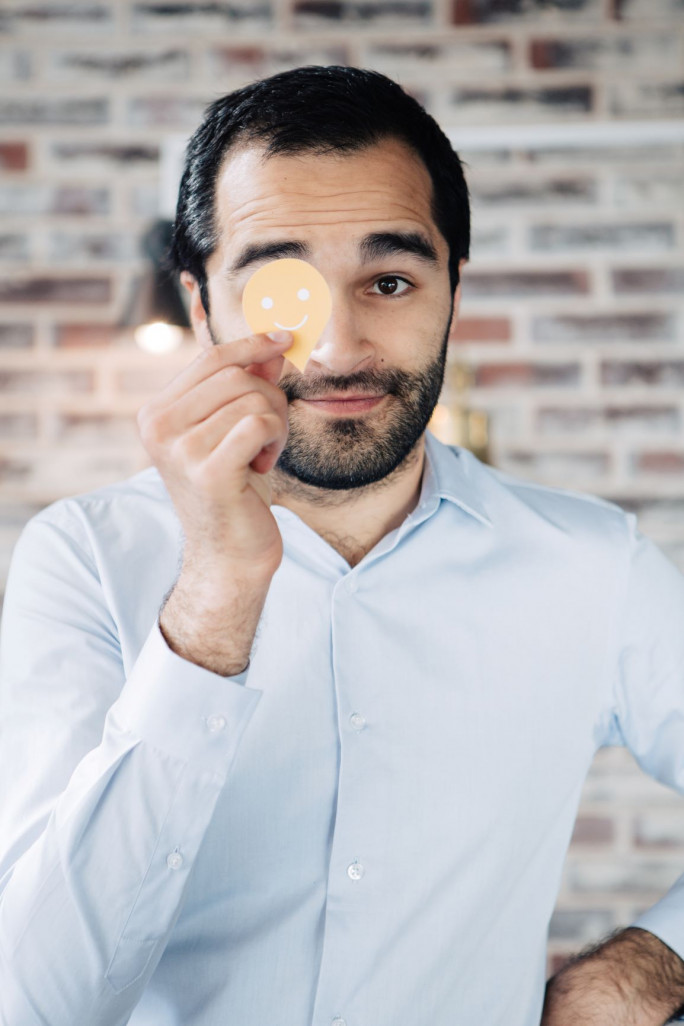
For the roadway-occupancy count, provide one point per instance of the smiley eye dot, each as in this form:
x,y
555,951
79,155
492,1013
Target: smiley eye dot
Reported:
x,y
267,302
303,294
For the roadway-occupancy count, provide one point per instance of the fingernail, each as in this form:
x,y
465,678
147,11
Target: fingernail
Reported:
x,y
280,336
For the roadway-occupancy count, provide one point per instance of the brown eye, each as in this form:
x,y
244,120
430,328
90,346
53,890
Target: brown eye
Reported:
x,y
388,286
392,285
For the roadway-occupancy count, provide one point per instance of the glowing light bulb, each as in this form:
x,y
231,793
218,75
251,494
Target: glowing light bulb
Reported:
x,y
158,337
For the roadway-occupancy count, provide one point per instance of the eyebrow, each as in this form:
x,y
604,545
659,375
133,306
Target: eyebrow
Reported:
x,y
256,251
374,246
383,244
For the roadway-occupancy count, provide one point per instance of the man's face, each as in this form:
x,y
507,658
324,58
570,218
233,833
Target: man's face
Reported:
x,y
363,220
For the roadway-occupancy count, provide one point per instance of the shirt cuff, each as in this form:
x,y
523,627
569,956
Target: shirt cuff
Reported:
x,y
183,709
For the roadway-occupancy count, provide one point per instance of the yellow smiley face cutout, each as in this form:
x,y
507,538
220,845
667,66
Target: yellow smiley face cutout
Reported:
x,y
289,294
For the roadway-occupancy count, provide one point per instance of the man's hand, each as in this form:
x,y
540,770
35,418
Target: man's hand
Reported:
x,y
631,979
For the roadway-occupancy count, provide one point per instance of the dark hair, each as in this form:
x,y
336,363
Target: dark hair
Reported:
x,y
319,110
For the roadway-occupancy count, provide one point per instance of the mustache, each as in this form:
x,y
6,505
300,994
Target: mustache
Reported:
x,y
391,381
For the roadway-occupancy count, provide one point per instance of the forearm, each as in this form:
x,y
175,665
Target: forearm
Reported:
x,y
632,979
213,627
86,911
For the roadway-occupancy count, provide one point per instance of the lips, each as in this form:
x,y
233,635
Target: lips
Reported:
x,y
347,404
343,398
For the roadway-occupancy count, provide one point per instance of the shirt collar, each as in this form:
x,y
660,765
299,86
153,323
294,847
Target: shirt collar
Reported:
x,y
452,473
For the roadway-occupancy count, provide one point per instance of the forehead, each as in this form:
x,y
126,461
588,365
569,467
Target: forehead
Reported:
x,y
382,184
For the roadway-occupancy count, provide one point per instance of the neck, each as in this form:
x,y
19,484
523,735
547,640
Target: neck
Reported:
x,y
354,520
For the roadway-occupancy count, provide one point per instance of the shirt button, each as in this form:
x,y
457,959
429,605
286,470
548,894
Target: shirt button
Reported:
x,y
174,860
338,1022
355,871
216,723
357,721
352,585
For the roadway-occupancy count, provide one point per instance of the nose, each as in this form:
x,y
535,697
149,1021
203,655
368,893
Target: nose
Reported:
x,y
342,347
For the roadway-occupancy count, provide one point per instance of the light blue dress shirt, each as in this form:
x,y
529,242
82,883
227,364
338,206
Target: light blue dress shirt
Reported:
x,y
367,827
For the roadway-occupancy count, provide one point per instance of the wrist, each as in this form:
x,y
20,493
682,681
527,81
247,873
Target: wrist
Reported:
x,y
632,979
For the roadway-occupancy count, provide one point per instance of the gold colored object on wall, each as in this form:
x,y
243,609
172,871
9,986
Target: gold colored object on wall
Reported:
x,y
454,422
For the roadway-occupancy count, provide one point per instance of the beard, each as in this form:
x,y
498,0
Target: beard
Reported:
x,y
343,453
351,452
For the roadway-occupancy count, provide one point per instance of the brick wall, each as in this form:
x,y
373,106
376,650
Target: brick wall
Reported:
x,y
572,312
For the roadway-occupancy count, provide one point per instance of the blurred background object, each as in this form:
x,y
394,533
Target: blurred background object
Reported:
x,y
566,365
157,315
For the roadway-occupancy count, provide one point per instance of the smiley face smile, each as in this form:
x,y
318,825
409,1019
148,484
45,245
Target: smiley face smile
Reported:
x,y
286,327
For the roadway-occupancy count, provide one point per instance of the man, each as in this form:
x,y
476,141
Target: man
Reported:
x,y
297,719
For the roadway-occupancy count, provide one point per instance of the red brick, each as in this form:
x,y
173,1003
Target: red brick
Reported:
x,y
662,373
54,16
593,830
528,284
13,156
657,235
491,105
613,327
359,13
481,329
416,57
516,375
469,12
198,16
120,64
658,462
115,154
534,192
606,53
56,290
649,279
76,335
261,61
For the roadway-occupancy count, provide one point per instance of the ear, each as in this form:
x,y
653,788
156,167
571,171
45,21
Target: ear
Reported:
x,y
197,313
457,294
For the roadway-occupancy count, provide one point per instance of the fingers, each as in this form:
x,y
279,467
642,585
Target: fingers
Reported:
x,y
225,386
255,439
198,443
259,350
